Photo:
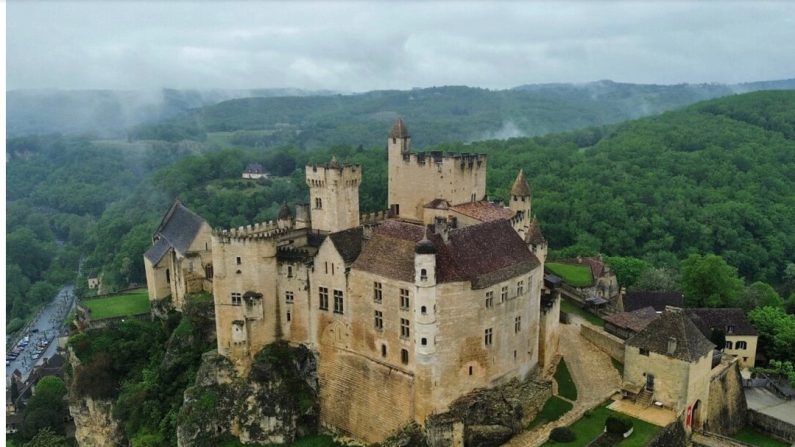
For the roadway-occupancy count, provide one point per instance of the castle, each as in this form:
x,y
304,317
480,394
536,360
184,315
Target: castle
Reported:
x,y
407,309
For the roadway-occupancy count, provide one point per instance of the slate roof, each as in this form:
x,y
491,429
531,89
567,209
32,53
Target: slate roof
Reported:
x,y
657,300
707,319
254,168
534,235
690,342
399,130
348,243
483,254
484,211
635,321
520,186
177,230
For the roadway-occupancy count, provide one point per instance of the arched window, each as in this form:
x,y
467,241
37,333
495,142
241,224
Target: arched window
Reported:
x,y
423,310
728,345
741,345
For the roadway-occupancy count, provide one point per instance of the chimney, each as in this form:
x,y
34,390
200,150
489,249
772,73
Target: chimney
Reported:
x,y
671,345
440,227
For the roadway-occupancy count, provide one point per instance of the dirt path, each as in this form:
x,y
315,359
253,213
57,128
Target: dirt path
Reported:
x,y
592,372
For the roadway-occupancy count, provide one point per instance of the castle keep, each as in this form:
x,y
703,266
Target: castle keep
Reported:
x,y
407,309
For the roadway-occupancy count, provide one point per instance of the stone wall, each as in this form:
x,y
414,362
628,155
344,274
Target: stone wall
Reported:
x,y
610,344
772,426
727,407
672,435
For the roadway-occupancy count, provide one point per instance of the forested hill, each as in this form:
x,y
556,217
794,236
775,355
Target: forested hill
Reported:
x,y
440,114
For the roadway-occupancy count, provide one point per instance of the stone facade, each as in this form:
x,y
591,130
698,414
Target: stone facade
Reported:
x,y
406,311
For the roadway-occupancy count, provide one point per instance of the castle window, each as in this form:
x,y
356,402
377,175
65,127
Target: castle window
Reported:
x,y
332,269
470,370
404,356
644,352
383,350
377,292
423,275
487,338
741,345
338,305
424,341
404,299
323,292
504,294
168,276
489,300
237,298
238,260
288,316
404,328
289,271
423,310
517,325
318,203
728,345
379,320
520,288
288,297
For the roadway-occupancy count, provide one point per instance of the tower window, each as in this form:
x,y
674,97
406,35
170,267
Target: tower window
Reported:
x,y
288,297
404,328
168,276
404,299
470,370
424,341
238,260
404,356
338,305
489,299
517,324
377,292
288,316
318,203
487,339
289,271
323,292
383,350
379,320
423,310
237,298
423,275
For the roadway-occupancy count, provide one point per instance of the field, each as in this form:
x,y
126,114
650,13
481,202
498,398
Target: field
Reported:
x,y
133,302
592,424
753,437
573,275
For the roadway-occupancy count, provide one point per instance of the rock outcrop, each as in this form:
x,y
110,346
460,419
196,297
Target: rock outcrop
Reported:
x,y
94,423
275,403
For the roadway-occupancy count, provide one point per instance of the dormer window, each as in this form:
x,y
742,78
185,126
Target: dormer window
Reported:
x,y
423,275
729,329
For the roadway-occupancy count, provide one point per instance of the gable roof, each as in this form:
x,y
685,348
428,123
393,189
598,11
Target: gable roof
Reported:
x,y
658,300
691,344
724,319
520,186
348,243
635,321
483,254
254,168
177,230
484,211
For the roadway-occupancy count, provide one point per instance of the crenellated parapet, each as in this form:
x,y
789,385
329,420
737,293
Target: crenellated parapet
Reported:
x,y
462,160
375,217
257,231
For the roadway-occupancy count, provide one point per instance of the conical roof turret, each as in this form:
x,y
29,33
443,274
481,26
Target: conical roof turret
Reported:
x,y
399,130
520,186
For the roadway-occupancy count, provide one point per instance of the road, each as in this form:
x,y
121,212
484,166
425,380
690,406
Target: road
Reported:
x,y
48,325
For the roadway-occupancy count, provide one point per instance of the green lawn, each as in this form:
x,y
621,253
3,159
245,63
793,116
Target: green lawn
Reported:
x,y
592,425
572,308
133,302
573,275
566,387
553,409
753,437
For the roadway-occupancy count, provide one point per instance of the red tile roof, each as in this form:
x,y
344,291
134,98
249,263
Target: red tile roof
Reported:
x,y
484,211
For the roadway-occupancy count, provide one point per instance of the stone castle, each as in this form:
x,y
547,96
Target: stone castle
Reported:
x,y
406,310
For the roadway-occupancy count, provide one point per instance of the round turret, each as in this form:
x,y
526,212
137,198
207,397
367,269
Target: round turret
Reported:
x,y
425,247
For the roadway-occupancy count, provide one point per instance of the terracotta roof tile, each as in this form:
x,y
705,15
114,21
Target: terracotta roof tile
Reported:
x,y
635,321
484,211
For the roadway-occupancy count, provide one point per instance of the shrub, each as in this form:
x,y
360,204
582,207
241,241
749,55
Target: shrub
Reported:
x,y
618,425
562,434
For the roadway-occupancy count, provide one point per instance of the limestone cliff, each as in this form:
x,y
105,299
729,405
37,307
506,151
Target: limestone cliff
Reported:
x,y
94,423
275,403
727,412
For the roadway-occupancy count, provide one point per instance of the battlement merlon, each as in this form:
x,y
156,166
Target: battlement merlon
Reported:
x,y
319,175
258,231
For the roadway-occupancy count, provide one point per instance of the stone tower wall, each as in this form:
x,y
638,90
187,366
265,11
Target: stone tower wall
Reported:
x,y
334,196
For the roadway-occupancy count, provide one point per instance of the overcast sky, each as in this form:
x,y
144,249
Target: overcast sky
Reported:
x,y
363,46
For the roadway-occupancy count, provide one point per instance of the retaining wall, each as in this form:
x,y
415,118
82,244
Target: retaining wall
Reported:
x,y
610,344
770,425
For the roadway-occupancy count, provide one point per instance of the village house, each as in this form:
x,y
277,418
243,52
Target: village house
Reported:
x,y
255,171
407,309
634,300
626,324
741,337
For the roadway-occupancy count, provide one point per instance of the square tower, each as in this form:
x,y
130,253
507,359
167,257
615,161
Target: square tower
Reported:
x,y
334,196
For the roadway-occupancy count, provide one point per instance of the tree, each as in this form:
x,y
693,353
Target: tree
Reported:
x,y
760,294
776,332
658,279
718,337
47,438
708,281
627,269
46,408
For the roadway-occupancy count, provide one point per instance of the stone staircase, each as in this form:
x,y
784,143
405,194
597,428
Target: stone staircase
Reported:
x,y
644,399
